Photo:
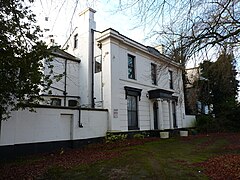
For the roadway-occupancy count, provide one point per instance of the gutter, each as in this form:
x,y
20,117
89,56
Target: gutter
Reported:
x,y
65,83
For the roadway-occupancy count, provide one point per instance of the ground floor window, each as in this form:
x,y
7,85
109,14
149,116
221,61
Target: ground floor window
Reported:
x,y
133,96
132,112
155,114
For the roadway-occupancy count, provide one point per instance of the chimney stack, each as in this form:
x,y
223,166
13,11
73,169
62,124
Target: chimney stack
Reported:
x,y
160,48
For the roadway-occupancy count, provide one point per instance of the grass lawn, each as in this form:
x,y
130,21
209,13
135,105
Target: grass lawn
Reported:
x,y
174,158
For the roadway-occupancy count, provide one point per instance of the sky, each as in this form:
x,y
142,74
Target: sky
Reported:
x,y
62,16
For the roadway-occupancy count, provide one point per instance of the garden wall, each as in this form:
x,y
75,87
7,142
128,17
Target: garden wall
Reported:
x,y
52,125
190,121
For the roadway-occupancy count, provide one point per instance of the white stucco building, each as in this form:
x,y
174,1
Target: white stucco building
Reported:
x,y
141,88
110,83
64,69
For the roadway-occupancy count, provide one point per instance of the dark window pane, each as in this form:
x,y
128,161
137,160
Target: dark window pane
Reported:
x,y
170,73
129,119
134,119
55,102
130,73
131,67
134,103
75,41
154,73
129,103
98,64
132,112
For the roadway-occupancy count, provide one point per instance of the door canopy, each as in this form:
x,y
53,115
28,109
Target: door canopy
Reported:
x,y
161,93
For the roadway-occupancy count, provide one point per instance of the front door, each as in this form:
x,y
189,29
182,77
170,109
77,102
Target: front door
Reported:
x,y
155,115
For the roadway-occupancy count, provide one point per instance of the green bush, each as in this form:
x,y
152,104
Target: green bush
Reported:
x,y
230,119
193,131
110,137
207,123
138,136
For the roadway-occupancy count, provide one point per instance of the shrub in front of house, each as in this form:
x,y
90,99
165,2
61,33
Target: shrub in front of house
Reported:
x,y
110,137
207,124
138,136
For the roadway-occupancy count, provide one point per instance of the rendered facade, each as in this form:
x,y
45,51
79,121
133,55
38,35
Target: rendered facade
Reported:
x,y
141,88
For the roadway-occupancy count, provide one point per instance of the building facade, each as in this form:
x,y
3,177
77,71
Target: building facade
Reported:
x,y
141,88
64,72
109,83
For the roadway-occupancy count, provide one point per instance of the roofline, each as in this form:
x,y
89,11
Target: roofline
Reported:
x,y
87,9
142,47
123,36
69,38
64,55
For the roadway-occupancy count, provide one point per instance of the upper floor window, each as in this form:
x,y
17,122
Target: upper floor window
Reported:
x,y
98,64
55,102
75,43
131,67
154,73
72,103
170,74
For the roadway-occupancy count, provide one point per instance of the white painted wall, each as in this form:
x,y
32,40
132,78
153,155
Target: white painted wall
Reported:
x,y
84,52
72,79
98,90
109,84
115,77
49,124
190,121
94,124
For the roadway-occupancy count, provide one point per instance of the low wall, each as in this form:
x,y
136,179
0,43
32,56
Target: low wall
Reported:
x,y
189,121
53,124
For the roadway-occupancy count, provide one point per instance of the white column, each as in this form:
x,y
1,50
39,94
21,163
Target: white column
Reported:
x,y
151,115
170,114
160,114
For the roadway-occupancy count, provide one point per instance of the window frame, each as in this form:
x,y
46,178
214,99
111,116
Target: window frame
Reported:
x,y
154,73
56,102
98,64
136,93
170,74
75,41
73,103
131,67
133,113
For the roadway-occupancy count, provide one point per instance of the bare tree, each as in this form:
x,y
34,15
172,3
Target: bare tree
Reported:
x,y
198,24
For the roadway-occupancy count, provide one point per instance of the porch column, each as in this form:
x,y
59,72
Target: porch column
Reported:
x,y
151,116
170,114
160,114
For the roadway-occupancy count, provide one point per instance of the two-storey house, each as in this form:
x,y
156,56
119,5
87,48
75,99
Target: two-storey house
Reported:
x,y
141,88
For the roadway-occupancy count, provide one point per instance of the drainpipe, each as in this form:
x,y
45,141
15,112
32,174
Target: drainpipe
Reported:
x,y
79,117
101,77
0,125
92,49
65,83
